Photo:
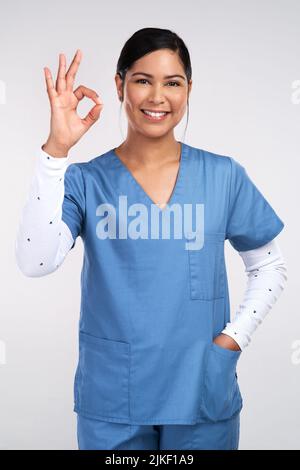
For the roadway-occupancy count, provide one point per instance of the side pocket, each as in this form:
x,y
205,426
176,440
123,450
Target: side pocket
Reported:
x,y
206,267
101,385
221,396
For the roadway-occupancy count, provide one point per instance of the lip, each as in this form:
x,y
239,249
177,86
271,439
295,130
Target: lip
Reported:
x,y
155,119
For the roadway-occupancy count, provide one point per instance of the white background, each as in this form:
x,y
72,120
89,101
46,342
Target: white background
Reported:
x,y
245,59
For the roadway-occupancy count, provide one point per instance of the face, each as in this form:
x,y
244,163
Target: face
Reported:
x,y
147,88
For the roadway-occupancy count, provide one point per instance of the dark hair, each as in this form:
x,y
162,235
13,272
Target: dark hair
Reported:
x,y
148,40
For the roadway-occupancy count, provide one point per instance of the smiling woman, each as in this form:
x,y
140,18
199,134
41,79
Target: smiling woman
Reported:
x,y
158,351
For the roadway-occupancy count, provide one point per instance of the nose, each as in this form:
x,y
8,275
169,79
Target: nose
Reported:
x,y
156,95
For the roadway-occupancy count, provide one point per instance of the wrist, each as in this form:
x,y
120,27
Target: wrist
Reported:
x,y
55,150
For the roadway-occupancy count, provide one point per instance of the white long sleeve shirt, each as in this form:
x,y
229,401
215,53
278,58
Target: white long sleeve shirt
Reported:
x,y
40,251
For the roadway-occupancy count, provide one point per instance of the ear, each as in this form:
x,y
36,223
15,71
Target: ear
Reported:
x,y
119,82
190,87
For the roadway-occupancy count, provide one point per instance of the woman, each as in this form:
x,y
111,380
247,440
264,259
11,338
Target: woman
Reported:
x,y
157,350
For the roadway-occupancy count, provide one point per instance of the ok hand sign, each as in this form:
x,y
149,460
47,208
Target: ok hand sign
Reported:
x,y
66,126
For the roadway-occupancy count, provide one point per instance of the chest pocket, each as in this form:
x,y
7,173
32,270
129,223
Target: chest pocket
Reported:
x,y
207,267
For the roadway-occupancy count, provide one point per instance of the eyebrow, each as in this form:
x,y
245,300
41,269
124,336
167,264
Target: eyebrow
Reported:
x,y
151,76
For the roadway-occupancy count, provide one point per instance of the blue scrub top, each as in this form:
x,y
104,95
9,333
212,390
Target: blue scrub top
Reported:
x,y
150,308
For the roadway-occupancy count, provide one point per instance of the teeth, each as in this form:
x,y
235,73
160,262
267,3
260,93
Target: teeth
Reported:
x,y
153,114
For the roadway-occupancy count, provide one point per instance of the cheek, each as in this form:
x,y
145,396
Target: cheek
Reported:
x,y
179,102
135,99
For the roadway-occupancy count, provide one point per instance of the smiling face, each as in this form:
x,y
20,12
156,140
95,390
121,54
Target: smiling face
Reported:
x,y
155,82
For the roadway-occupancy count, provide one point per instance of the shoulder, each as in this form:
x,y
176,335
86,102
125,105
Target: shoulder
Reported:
x,y
208,157
92,165
100,160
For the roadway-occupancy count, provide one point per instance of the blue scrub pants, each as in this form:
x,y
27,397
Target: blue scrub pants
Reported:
x,y
93,434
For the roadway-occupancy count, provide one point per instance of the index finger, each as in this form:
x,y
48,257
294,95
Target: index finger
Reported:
x,y
49,82
70,76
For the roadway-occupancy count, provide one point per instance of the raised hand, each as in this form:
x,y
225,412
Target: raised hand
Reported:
x,y
66,127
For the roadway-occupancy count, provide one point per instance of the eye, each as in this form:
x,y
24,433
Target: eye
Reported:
x,y
140,79
145,80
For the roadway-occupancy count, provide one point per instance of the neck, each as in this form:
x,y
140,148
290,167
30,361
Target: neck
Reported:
x,y
149,152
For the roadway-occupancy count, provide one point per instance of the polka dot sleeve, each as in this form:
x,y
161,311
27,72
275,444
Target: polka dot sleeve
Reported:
x,y
43,238
267,273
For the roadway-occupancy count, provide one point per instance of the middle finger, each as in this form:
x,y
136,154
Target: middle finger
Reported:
x,y
61,81
70,77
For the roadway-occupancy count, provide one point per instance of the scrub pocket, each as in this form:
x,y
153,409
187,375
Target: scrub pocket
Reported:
x,y
221,397
101,385
207,268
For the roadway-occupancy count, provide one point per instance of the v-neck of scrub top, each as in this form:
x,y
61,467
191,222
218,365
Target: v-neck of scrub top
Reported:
x,y
177,189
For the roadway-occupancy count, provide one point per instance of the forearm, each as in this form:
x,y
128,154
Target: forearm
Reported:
x,y
43,239
267,274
